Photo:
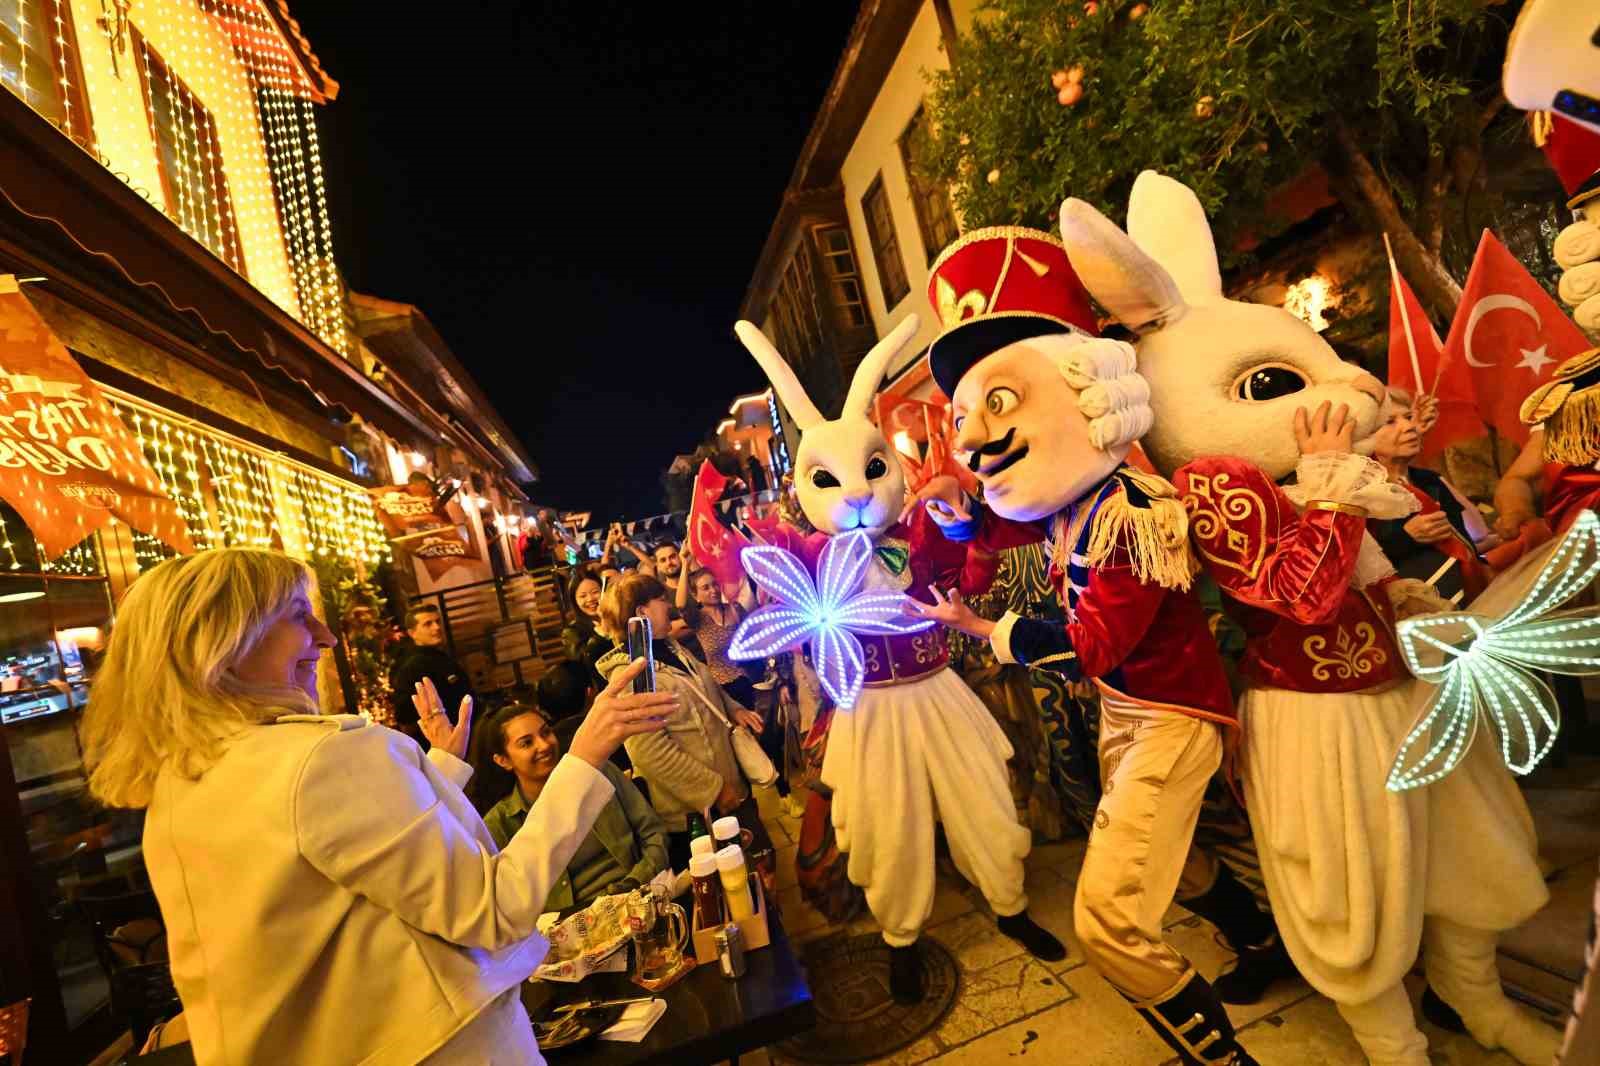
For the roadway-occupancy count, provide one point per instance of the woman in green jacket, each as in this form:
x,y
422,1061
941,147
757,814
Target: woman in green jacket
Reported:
x,y
626,847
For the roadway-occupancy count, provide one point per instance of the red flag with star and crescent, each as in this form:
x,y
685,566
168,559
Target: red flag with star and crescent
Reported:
x,y
1507,337
1458,404
714,545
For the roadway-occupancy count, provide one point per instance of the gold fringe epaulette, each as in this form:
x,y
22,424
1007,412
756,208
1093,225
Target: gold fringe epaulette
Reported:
x,y
1572,433
1154,534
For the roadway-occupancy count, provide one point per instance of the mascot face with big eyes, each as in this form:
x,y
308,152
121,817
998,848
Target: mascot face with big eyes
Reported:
x,y
1020,428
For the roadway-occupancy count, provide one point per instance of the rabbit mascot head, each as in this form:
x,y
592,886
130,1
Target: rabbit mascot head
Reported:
x,y
845,474
1044,410
1225,377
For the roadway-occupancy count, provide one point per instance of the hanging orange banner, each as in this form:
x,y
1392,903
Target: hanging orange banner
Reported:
x,y
67,462
418,526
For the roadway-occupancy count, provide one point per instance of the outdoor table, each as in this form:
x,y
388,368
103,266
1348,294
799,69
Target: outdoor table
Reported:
x,y
709,1018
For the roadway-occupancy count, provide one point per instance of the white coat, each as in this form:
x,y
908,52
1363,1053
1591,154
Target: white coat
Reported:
x,y
331,897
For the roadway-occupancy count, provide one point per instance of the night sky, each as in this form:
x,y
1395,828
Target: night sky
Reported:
x,y
575,194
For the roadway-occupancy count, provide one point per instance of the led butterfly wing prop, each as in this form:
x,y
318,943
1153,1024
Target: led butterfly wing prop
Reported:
x,y
828,612
1483,669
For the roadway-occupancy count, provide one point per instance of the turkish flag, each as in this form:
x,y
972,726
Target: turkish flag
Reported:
x,y
1507,337
67,462
1458,404
715,546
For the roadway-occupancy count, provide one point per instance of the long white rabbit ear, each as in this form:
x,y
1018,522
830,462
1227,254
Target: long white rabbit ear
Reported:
x,y
869,372
790,392
1125,281
1166,220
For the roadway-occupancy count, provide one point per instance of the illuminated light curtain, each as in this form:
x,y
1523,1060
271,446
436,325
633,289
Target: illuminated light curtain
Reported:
x,y
35,61
256,498
39,63
286,105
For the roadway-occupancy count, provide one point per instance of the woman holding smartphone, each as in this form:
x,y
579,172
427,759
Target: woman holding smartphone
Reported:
x,y
289,849
690,765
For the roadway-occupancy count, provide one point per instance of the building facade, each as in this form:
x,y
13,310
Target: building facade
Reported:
x,y
162,210
847,257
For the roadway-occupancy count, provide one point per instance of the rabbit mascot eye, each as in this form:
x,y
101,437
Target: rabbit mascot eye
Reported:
x,y
917,745
1357,875
1045,413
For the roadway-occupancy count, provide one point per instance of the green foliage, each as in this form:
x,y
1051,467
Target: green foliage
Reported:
x,y
1233,97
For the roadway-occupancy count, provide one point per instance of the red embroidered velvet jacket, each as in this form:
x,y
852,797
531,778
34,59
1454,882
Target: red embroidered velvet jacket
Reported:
x,y
1568,490
1287,579
1137,638
919,547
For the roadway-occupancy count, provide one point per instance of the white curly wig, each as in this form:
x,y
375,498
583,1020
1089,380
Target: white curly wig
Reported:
x,y
1111,393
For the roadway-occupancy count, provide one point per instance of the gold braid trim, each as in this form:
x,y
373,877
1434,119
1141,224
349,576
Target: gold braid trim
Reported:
x,y
1155,537
1572,433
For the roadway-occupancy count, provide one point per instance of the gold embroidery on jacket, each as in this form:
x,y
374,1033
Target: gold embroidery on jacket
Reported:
x,y
1351,656
1217,511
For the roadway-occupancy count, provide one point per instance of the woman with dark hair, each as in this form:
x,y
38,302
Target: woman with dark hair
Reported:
x,y
625,848
713,620
581,640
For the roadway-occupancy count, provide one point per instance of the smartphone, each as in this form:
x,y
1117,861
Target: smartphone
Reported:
x,y
639,638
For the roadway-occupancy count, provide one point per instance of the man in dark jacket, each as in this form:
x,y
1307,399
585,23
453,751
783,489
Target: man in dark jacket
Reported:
x,y
424,655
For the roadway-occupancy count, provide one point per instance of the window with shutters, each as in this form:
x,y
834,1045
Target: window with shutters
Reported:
x,y
936,219
844,277
189,151
885,245
39,63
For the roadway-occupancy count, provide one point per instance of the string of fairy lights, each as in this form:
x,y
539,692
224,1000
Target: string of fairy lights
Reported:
x,y
243,164
231,493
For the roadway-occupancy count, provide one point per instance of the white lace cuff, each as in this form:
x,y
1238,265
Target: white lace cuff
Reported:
x,y
1372,565
1349,480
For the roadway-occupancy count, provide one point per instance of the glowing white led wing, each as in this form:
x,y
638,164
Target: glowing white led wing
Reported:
x,y
1569,570
1483,670
783,576
840,568
770,630
829,618
885,614
841,667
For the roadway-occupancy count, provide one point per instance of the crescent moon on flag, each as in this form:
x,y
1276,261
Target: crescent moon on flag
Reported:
x,y
1496,302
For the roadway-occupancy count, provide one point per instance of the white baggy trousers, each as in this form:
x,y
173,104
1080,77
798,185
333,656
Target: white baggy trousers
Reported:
x,y
1358,874
904,756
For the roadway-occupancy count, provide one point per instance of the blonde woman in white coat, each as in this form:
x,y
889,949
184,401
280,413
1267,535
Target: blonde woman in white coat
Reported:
x,y
330,895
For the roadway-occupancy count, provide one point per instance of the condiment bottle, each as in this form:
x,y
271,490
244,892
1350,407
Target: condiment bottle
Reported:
x,y
707,891
735,882
726,831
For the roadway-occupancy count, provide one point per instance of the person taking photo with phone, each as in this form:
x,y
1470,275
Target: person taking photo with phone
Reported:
x,y
288,849
690,765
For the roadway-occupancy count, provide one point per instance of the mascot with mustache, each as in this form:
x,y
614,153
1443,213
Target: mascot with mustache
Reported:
x,y
1047,412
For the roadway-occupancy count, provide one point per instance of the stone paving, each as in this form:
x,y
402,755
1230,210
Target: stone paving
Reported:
x,y
1013,1007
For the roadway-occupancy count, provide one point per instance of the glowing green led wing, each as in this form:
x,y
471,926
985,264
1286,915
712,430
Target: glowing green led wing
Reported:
x,y
1483,669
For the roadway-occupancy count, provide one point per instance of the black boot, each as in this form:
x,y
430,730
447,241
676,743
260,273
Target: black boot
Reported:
x,y
1039,941
1192,1022
1251,933
905,975
1440,1013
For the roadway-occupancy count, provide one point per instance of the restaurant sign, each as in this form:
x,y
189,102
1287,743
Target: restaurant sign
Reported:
x,y
68,464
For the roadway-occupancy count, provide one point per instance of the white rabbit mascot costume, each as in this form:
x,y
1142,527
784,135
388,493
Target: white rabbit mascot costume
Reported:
x,y
918,745
1047,413
1358,876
